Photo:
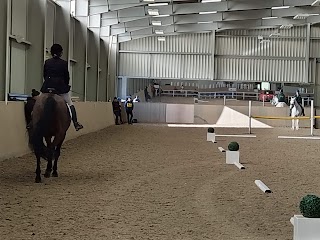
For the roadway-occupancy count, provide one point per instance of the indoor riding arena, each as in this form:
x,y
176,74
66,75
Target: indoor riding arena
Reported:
x,y
224,139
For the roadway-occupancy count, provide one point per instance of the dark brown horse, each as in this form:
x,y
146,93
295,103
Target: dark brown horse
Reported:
x,y
50,118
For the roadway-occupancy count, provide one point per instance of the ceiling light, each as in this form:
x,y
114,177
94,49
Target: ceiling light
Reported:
x,y
158,32
156,23
265,41
316,3
153,12
281,7
162,16
286,26
157,4
206,1
204,22
301,16
274,34
148,0
161,39
207,12
269,18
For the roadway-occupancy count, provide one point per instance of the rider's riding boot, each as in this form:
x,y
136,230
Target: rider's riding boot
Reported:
x,y
77,125
303,112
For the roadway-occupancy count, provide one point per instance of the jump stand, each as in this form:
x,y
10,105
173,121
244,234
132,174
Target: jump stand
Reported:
x,y
211,137
305,228
233,157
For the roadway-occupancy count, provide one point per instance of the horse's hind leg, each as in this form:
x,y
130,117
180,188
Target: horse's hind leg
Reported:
x,y
38,170
49,156
56,158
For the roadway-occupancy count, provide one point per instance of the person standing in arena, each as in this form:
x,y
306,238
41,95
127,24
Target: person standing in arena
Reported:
x,y
117,110
129,110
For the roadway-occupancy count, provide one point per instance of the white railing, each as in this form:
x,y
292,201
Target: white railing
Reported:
x,y
199,94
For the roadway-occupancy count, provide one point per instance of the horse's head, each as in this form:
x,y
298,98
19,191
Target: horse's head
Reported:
x,y
292,102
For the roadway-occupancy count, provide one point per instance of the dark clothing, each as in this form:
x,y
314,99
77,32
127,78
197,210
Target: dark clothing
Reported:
x,y
118,115
281,97
56,75
146,94
129,116
129,108
129,105
299,99
117,111
116,106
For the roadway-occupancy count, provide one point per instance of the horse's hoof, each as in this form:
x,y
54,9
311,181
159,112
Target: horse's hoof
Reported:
x,y
47,174
38,180
54,174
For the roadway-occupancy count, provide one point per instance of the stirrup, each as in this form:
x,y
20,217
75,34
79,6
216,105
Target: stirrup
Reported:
x,y
78,126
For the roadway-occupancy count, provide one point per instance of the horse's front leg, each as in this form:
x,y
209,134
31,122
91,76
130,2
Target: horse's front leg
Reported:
x,y
297,124
293,124
50,151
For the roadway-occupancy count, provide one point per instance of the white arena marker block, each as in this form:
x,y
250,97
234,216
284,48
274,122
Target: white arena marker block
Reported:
x,y
232,157
262,186
239,165
221,149
211,137
292,221
305,228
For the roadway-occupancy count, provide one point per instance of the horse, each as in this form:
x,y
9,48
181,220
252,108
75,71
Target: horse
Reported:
x,y
50,119
296,111
276,102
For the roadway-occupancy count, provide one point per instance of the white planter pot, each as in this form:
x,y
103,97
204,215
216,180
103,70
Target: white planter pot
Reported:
x,y
232,157
306,228
211,137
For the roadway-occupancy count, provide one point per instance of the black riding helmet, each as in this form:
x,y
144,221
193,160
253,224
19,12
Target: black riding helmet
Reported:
x,y
56,50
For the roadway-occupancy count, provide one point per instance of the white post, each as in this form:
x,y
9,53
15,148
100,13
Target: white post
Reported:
x,y
224,100
312,117
7,81
250,105
263,100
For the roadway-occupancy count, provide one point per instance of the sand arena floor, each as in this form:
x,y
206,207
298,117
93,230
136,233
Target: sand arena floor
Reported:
x,y
153,182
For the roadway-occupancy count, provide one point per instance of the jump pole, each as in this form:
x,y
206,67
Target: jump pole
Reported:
x,y
250,105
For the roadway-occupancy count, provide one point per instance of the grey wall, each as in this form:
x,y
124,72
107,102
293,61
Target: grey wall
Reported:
x,y
39,24
35,53
92,79
3,34
78,85
103,73
62,28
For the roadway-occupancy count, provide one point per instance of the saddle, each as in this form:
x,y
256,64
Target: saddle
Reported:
x,y
50,90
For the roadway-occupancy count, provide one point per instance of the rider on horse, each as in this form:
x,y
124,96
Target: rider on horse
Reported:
x,y
281,97
56,76
299,101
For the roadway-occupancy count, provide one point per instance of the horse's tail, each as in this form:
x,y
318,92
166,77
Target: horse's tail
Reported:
x,y
43,125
